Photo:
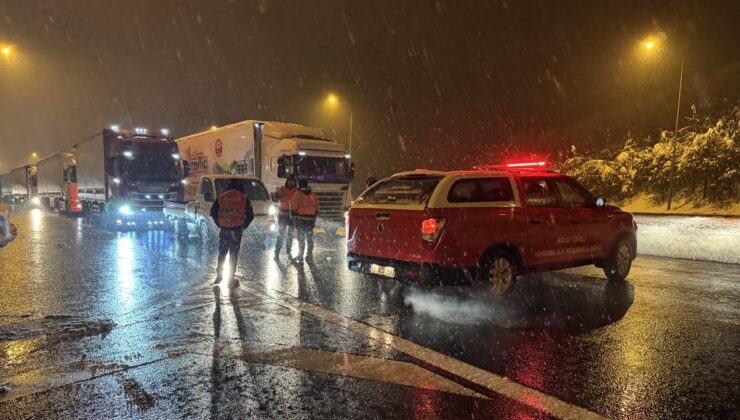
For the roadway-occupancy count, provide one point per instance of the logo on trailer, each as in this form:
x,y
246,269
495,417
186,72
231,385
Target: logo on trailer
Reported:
x,y
219,148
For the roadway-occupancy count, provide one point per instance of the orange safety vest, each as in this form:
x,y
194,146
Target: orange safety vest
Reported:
x,y
231,207
305,205
285,194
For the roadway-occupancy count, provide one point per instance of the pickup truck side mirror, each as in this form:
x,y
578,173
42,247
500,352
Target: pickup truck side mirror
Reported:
x,y
207,196
370,181
600,202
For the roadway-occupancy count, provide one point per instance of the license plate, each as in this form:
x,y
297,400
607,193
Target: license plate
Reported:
x,y
382,270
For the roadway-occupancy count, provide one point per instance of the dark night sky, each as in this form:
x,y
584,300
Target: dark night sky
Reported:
x,y
436,84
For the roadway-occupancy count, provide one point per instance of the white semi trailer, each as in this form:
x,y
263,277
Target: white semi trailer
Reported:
x,y
270,151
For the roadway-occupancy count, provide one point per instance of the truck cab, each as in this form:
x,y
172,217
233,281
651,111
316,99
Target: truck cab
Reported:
x,y
24,185
488,224
326,166
193,216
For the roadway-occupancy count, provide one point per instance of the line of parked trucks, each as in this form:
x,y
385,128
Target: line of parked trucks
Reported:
x,y
134,178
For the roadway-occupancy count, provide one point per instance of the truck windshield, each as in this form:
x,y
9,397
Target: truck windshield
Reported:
x,y
252,188
319,169
401,190
153,167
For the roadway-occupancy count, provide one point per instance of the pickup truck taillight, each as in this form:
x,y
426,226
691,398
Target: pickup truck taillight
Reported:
x,y
346,224
431,230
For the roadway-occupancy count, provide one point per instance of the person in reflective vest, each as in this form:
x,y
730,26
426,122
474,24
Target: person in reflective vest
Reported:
x,y
282,195
232,213
304,206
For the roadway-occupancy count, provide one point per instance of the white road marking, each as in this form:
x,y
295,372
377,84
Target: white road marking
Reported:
x,y
495,383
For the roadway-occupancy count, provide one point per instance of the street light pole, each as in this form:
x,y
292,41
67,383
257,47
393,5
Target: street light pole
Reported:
x,y
675,139
350,131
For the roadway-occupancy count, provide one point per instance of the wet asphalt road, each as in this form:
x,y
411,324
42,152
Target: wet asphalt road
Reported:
x,y
96,323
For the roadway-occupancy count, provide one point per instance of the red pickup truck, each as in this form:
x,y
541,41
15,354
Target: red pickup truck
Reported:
x,y
489,224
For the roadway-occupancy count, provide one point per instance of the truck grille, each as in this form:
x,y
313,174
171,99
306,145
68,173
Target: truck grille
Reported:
x,y
150,201
332,205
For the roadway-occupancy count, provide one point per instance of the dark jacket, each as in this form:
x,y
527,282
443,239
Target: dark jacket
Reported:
x,y
248,215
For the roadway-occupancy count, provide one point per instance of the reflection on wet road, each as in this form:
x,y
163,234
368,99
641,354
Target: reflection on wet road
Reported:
x,y
84,312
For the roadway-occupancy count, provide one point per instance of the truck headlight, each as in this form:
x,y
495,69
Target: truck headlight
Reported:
x,y
35,201
125,210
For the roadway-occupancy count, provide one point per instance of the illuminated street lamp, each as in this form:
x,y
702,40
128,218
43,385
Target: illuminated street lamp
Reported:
x,y
333,101
649,45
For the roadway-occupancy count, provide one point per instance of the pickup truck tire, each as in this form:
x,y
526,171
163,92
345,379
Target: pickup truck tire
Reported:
x,y
619,262
181,229
204,234
499,271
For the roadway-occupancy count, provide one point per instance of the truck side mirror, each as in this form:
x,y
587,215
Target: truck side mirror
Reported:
x,y
185,168
600,202
282,169
351,171
112,166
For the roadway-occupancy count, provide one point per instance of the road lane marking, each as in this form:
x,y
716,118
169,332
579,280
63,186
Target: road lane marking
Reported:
x,y
490,381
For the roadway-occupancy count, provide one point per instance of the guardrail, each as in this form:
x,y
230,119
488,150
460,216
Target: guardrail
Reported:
x,y
6,233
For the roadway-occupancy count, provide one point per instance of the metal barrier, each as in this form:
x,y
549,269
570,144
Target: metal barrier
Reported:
x,y
5,233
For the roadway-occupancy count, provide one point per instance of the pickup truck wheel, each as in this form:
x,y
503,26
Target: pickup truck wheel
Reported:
x,y
619,262
203,233
499,272
181,229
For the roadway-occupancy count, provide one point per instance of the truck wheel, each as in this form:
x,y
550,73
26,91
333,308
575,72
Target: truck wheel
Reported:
x,y
499,272
619,262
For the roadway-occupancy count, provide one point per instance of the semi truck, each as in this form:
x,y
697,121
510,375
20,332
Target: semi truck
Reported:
x,y
271,151
6,187
124,176
24,183
57,183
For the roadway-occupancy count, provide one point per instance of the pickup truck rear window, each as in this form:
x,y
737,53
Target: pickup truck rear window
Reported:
x,y
252,188
480,190
413,190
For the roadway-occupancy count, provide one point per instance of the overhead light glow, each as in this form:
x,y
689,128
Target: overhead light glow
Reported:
x,y
165,131
140,130
128,154
347,156
116,180
301,153
114,127
125,210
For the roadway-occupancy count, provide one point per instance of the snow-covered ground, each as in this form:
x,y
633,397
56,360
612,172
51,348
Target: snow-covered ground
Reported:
x,y
696,238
